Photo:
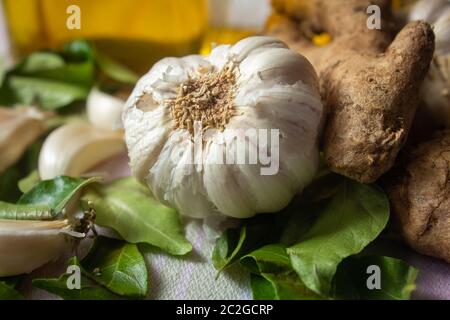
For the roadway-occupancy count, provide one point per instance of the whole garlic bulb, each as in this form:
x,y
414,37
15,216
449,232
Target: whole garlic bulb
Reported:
x,y
182,118
436,87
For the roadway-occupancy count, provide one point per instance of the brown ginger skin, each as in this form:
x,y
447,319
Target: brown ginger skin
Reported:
x,y
419,190
369,83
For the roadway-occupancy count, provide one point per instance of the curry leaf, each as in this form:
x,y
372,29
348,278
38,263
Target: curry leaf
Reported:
x,y
352,219
268,259
56,193
78,50
118,266
40,61
72,73
115,70
50,94
10,211
276,279
129,208
8,289
29,182
397,279
287,286
262,289
227,248
233,244
88,289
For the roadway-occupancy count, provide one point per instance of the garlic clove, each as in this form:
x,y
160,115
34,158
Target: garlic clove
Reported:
x,y
442,31
104,110
245,47
28,245
18,129
75,148
427,10
169,181
436,89
223,187
147,140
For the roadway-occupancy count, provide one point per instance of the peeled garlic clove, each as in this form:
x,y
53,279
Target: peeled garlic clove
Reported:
x,y
28,245
18,129
75,148
104,110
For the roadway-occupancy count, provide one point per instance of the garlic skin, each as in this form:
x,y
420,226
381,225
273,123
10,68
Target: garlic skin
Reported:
x,y
267,86
28,245
104,110
436,87
75,148
18,129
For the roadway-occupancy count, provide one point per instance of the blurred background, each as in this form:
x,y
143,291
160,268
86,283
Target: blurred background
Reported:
x,y
135,32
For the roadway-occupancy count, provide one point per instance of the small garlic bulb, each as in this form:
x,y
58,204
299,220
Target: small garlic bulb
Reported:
x,y
436,87
233,133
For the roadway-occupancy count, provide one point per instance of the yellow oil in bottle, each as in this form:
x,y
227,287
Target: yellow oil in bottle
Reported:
x,y
135,32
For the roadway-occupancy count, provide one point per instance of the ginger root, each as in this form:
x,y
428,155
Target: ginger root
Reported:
x,y
419,190
369,83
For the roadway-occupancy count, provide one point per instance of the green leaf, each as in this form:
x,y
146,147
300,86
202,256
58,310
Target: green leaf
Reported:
x,y
353,218
78,50
29,182
262,289
397,279
277,280
235,243
50,94
10,211
118,266
40,61
8,289
288,286
115,70
56,193
268,259
72,73
227,248
128,207
88,289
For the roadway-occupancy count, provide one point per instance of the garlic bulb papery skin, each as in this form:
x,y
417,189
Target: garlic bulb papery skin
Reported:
x,y
28,245
257,84
428,10
104,110
437,13
436,87
436,90
19,128
442,31
75,148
